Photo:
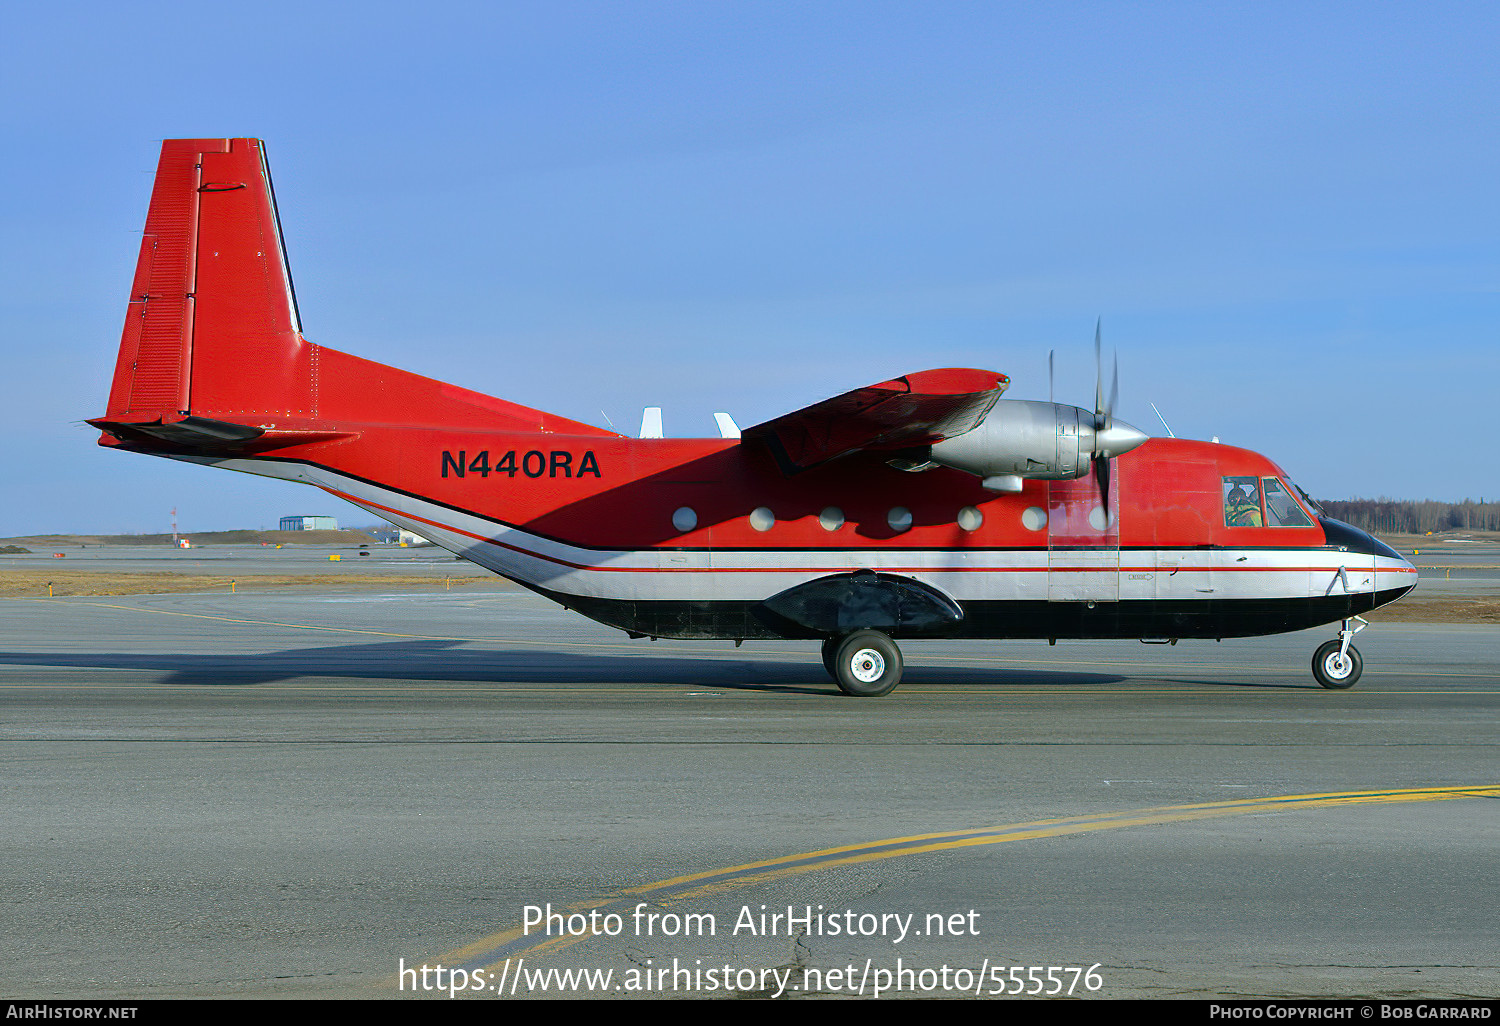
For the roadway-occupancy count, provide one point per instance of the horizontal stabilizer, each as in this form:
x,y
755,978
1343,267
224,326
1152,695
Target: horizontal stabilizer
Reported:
x,y
201,434
917,409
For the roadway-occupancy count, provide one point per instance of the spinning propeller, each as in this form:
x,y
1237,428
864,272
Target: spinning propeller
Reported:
x,y
1021,440
1111,437
1103,417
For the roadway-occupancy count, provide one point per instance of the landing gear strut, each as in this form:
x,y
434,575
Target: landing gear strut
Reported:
x,y
1337,664
866,664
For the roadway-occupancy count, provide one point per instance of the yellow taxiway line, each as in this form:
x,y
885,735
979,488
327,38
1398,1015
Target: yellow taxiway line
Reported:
x,y
490,951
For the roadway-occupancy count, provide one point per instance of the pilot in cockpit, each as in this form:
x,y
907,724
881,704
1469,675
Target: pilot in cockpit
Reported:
x,y
1241,508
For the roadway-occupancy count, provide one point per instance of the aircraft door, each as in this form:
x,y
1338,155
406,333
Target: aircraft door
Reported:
x,y
1083,548
1185,512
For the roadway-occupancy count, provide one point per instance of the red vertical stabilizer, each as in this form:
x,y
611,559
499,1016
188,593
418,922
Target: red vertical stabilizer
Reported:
x,y
212,356
212,324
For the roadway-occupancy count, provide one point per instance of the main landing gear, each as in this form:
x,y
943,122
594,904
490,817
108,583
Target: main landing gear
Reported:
x,y
866,664
1336,663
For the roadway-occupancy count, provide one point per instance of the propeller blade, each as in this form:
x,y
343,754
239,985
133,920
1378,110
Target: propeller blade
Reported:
x,y
1050,377
1114,387
1101,478
1098,378
1104,416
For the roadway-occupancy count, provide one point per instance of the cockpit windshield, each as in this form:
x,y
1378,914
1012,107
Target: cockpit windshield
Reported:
x,y
1261,502
1307,500
1281,509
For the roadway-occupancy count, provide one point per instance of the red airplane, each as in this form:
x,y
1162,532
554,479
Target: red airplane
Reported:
x,y
922,507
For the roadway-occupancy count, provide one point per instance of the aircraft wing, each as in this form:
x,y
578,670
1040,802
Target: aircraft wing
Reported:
x,y
916,409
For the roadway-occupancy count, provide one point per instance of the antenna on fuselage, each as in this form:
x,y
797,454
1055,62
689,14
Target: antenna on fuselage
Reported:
x,y
651,422
727,427
1162,419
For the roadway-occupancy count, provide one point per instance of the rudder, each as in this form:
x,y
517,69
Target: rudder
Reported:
x,y
212,327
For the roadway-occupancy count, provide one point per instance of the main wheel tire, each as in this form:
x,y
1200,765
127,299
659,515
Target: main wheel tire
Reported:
x,y
867,665
1333,672
830,652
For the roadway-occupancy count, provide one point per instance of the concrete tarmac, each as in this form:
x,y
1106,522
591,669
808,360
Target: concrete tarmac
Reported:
x,y
297,794
247,560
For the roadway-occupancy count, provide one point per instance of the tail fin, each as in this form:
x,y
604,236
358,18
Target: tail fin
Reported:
x,y
212,326
212,356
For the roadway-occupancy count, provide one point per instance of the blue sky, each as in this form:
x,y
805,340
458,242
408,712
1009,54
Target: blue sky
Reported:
x,y
1286,215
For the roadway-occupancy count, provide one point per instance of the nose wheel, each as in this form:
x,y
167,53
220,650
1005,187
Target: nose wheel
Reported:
x,y
1337,664
866,664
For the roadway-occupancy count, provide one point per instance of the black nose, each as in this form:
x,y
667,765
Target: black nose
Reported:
x,y
1352,539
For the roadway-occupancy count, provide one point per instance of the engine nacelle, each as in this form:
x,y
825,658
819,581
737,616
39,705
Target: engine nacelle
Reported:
x,y
1025,440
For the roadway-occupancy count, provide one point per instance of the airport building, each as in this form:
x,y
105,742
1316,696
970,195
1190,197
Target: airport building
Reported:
x,y
309,524
395,536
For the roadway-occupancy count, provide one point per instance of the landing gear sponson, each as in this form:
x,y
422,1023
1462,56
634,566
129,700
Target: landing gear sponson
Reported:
x,y
863,659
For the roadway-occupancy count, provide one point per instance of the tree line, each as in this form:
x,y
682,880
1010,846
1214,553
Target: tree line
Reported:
x,y
1405,516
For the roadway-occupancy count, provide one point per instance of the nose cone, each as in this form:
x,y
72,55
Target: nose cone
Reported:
x,y
1394,576
1410,574
1119,437
1352,539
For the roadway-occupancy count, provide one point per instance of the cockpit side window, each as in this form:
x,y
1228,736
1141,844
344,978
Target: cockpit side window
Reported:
x,y
1242,502
1281,509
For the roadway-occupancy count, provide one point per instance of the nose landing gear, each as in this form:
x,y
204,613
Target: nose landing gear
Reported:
x,y
1337,664
866,664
